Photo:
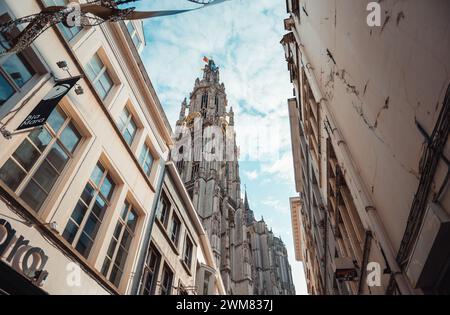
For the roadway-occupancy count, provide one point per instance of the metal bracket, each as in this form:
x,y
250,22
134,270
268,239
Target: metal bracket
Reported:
x,y
5,133
8,134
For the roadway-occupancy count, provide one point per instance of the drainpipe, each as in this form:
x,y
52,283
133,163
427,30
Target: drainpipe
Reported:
x,y
143,253
375,222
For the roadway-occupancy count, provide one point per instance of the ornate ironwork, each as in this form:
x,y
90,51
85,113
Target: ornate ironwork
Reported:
x,y
92,13
201,1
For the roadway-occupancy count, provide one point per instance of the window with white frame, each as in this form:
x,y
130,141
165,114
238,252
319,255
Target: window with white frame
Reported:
x,y
164,210
146,159
151,271
119,247
188,250
98,73
84,223
166,281
134,35
39,160
15,70
175,229
127,126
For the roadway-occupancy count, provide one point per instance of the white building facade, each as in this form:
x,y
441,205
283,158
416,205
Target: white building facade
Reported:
x,y
369,126
79,195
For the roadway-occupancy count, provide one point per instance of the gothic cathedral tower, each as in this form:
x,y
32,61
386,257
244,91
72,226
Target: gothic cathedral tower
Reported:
x,y
207,159
207,129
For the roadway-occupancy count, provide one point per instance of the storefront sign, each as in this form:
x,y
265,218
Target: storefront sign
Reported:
x,y
42,111
16,251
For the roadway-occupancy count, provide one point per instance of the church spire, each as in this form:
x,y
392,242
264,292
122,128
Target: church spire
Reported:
x,y
183,109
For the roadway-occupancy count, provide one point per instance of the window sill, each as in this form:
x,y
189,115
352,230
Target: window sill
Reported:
x,y
186,267
174,247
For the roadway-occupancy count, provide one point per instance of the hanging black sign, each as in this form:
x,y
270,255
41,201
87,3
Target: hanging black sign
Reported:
x,y
42,111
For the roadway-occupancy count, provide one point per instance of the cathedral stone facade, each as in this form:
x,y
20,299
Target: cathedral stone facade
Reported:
x,y
251,259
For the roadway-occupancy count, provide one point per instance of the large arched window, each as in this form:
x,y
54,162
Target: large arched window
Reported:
x,y
216,103
205,100
180,166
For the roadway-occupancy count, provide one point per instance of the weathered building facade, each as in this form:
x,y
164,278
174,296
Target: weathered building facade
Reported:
x,y
207,159
79,195
370,127
305,251
179,259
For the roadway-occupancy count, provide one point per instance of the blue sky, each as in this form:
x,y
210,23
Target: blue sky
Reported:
x,y
242,36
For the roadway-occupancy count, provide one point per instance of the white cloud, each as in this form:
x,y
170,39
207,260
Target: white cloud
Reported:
x,y
282,169
275,205
236,34
251,174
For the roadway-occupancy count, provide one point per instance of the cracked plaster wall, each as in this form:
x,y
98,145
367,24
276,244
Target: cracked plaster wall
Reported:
x,y
377,81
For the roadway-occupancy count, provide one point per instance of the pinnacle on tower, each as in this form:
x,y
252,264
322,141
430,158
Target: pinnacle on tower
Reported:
x,y
183,109
249,215
211,71
246,205
231,116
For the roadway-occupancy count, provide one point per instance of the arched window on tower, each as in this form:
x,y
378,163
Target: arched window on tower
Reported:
x,y
205,100
204,104
180,163
216,103
180,166
195,169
